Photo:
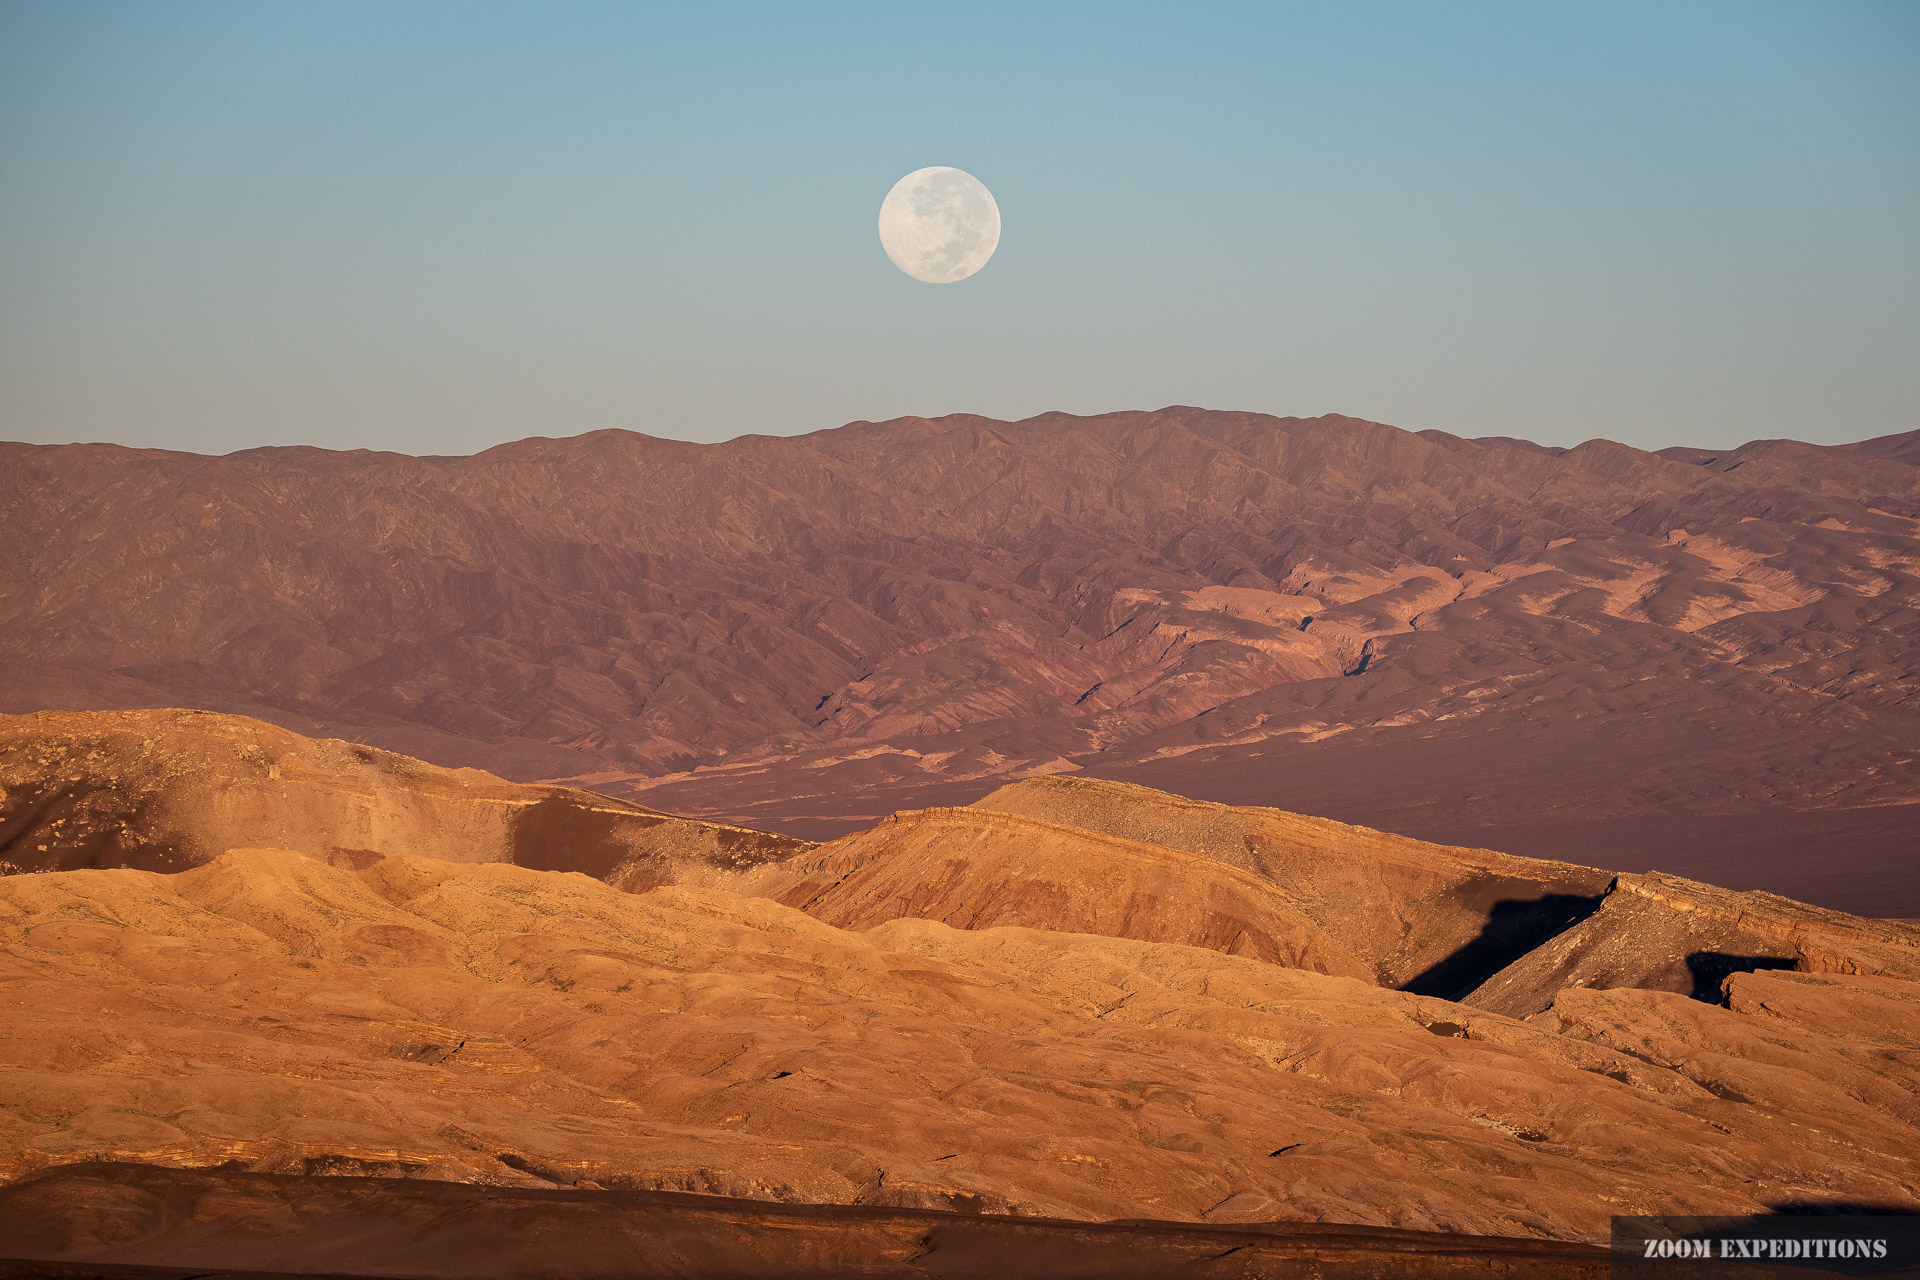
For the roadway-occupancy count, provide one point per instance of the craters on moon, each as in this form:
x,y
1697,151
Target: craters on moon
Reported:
x,y
939,225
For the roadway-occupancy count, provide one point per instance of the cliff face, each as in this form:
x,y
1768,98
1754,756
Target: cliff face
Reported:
x,y
1705,659
1661,932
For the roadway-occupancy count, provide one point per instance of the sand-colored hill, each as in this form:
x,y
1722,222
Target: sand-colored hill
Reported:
x,y
1492,930
166,790
490,1023
1435,919
1690,660
976,869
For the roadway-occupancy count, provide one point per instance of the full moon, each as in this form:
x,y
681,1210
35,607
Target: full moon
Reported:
x,y
939,225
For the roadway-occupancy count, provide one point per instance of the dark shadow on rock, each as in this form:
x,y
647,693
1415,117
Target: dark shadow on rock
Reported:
x,y
158,1222
1514,927
1711,968
30,814
561,834
1845,1208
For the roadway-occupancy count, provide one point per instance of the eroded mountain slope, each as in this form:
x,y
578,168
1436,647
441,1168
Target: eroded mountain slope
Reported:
x,y
975,869
480,1021
1572,652
1428,917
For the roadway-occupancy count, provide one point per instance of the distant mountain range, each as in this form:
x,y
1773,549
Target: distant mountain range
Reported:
x,y
1706,662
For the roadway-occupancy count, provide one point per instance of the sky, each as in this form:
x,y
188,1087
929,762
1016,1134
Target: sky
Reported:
x,y
435,227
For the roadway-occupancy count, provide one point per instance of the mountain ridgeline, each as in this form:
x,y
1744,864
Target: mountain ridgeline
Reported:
x,y
1706,662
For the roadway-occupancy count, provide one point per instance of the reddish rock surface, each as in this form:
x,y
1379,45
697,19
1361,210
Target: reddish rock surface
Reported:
x,y
1703,662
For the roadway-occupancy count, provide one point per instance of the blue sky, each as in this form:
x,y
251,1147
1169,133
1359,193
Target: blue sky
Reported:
x,y
435,227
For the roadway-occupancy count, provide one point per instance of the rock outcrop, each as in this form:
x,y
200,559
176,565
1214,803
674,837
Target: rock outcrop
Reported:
x,y
168,790
1663,933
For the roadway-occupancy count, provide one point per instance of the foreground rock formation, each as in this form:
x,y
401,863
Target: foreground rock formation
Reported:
x,y
1076,1000
489,1023
1696,661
